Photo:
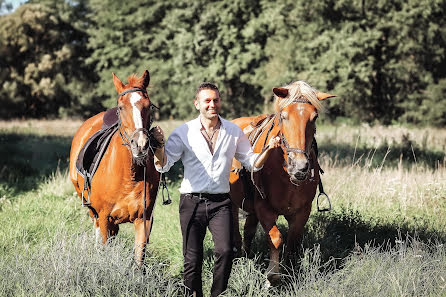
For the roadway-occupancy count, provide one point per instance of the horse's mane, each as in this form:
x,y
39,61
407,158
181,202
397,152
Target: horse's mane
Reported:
x,y
135,81
298,90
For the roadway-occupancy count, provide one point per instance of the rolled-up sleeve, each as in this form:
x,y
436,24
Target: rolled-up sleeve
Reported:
x,y
244,153
173,150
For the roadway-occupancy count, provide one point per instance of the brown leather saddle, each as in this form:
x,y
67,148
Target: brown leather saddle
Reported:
x,y
91,154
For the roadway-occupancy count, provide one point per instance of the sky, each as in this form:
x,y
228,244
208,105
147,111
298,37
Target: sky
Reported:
x,y
15,4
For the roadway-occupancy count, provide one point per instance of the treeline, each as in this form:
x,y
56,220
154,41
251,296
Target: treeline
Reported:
x,y
385,59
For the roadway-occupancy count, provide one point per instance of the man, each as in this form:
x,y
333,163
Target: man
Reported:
x,y
206,147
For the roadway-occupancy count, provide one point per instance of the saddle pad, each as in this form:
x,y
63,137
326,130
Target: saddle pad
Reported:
x,y
110,118
93,150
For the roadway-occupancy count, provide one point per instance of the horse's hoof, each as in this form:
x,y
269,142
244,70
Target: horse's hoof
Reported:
x,y
273,278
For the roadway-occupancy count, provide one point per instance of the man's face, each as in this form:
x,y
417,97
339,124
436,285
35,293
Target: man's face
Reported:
x,y
208,103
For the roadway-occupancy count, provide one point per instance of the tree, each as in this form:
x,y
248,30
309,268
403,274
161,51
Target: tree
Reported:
x,y
41,58
377,56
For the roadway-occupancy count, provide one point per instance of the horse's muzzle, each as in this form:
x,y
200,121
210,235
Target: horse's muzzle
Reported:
x,y
139,145
298,169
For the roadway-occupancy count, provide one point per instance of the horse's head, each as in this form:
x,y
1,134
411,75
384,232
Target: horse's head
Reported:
x,y
297,106
135,117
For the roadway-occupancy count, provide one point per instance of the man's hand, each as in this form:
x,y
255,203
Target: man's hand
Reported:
x,y
158,134
274,142
160,157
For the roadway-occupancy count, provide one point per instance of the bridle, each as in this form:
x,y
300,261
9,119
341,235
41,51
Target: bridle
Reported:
x,y
127,140
285,144
286,148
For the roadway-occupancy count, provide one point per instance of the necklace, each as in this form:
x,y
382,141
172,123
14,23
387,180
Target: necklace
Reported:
x,y
209,139
213,133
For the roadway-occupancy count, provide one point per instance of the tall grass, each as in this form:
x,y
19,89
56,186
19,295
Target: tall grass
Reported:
x,y
384,237
75,265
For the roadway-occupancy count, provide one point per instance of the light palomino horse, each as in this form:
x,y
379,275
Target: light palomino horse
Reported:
x,y
288,181
125,184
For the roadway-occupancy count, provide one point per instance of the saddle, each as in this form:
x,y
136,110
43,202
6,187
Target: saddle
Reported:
x,y
253,131
91,154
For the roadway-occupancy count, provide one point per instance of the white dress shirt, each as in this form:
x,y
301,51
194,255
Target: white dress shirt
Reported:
x,y
204,172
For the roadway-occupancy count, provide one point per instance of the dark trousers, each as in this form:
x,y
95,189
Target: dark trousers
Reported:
x,y
195,215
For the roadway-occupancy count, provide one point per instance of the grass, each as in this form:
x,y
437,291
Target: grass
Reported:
x,y
384,237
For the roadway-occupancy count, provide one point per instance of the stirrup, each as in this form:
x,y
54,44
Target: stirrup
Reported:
x,y
329,203
86,203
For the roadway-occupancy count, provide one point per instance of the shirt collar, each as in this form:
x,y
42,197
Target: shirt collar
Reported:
x,y
198,122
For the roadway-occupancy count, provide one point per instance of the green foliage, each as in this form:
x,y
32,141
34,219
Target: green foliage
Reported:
x,y
41,60
376,56
384,59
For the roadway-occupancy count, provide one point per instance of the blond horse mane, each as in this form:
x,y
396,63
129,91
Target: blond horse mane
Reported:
x,y
298,90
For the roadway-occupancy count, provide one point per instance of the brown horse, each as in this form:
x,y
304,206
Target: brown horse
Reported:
x,y
125,184
287,183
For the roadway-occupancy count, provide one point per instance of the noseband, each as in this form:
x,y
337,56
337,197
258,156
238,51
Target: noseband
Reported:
x,y
127,140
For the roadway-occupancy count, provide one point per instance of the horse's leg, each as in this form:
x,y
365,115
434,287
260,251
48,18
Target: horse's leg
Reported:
x,y
296,223
141,239
108,229
236,230
249,231
97,230
267,218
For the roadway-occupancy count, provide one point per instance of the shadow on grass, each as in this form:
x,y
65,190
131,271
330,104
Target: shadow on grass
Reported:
x,y
338,234
27,158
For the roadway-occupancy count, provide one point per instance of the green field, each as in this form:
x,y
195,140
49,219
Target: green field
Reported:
x,y
385,236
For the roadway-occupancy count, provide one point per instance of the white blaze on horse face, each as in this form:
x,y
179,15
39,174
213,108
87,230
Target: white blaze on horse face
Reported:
x,y
137,119
301,110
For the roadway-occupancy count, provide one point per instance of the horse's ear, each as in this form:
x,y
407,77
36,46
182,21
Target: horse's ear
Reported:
x,y
119,86
323,96
145,79
280,92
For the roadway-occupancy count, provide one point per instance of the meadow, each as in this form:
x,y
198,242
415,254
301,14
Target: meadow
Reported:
x,y
385,235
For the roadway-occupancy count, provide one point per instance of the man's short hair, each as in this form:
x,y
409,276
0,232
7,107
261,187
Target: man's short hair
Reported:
x,y
207,86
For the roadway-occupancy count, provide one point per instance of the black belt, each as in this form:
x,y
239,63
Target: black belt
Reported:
x,y
210,197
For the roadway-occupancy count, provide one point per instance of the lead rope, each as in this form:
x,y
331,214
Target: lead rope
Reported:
x,y
144,216
163,184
